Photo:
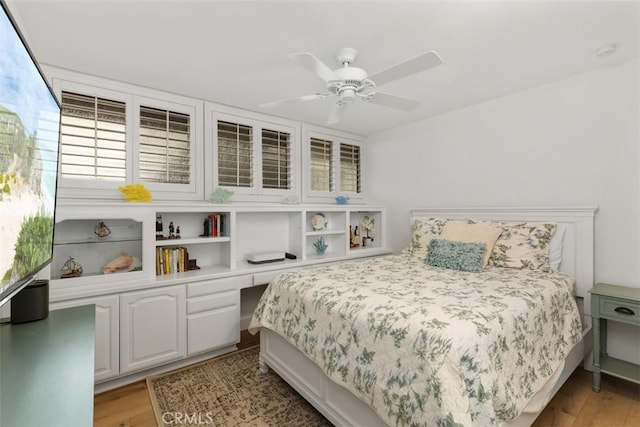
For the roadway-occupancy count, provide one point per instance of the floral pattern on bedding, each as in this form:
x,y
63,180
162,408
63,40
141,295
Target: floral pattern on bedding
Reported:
x,y
523,245
425,345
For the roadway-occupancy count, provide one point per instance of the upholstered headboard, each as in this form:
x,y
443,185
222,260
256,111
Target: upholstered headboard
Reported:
x,y
578,242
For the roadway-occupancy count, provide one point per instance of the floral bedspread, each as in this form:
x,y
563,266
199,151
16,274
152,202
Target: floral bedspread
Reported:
x,y
424,345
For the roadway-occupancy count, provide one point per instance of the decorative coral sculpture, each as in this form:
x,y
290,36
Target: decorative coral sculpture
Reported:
x,y
342,200
135,193
220,195
320,246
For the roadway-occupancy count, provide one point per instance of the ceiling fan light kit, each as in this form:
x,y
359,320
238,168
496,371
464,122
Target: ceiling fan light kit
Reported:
x,y
348,83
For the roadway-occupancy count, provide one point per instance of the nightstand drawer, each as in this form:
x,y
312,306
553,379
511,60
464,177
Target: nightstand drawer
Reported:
x,y
624,310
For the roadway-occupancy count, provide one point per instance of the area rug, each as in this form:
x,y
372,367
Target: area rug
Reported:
x,y
229,391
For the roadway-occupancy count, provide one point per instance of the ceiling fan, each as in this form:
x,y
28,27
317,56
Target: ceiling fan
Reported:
x,y
347,82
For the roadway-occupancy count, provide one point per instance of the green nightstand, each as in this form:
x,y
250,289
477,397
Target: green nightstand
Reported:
x,y
616,304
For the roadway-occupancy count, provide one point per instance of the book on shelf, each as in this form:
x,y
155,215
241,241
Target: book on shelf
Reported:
x,y
171,260
218,225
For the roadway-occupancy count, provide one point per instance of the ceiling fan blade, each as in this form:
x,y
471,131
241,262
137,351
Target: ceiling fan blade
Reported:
x,y
392,101
336,113
419,63
316,66
295,99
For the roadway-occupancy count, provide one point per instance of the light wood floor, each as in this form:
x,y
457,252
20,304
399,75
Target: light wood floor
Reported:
x,y
576,405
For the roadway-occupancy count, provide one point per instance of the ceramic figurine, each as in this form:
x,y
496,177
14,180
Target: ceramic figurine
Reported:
x,y
158,226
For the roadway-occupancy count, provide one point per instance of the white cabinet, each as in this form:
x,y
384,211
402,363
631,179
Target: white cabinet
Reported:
x,y
107,338
213,315
107,348
152,327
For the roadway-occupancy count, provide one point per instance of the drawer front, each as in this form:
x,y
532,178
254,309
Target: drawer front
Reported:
x,y
211,287
266,277
212,302
624,310
245,281
213,329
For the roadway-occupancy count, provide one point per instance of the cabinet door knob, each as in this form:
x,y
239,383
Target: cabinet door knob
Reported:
x,y
624,310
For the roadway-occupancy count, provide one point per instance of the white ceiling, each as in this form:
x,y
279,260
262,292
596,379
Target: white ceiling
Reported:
x,y
235,52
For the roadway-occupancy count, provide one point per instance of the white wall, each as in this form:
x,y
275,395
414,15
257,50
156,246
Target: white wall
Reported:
x,y
573,142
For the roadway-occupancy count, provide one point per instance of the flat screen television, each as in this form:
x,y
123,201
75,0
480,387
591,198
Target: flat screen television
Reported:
x,y
29,145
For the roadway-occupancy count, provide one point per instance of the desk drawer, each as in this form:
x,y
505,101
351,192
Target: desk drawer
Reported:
x,y
212,302
266,277
624,310
211,287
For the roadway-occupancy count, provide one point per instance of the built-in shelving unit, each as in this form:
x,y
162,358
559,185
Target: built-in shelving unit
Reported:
x,y
245,230
151,316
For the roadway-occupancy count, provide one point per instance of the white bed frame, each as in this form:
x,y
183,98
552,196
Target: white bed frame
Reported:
x,y
342,408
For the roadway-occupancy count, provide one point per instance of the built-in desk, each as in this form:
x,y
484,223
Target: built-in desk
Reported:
x,y
46,370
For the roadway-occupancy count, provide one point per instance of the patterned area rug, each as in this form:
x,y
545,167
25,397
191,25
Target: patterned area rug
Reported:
x,y
229,391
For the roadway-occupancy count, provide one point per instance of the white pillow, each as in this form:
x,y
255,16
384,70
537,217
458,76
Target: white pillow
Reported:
x,y
555,249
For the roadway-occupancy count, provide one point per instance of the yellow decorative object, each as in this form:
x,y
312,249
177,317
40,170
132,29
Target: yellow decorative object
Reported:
x,y
135,193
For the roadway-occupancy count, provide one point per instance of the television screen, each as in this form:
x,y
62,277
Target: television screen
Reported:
x,y
29,132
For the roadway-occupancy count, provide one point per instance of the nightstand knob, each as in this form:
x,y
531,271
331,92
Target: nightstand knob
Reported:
x,y
624,310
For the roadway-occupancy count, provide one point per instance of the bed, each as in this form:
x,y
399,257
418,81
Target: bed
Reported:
x,y
393,341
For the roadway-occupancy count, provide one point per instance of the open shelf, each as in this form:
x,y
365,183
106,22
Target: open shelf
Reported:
x,y
620,368
192,241
94,240
362,237
325,232
78,240
246,230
